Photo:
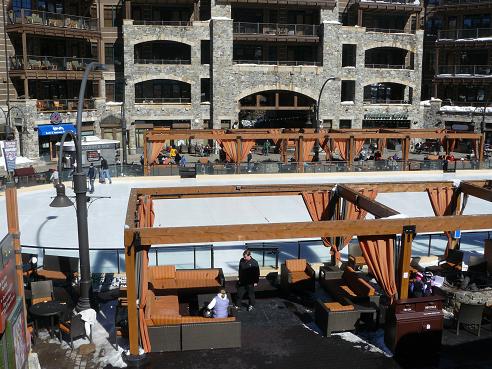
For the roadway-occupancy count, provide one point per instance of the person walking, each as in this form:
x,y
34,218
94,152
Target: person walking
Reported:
x,y
249,275
219,305
182,162
55,177
105,170
250,158
92,177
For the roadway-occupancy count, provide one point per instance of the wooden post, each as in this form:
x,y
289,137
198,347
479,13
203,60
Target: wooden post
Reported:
x,y
404,260
300,146
350,148
359,17
284,144
238,156
146,158
14,229
481,147
24,62
128,9
131,292
406,148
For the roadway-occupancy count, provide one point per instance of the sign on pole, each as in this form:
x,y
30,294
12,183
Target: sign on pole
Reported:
x,y
10,154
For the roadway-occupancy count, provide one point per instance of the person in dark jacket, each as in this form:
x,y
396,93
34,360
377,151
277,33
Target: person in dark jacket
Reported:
x,y
92,177
249,275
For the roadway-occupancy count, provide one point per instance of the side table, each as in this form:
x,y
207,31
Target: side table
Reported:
x,y
48,309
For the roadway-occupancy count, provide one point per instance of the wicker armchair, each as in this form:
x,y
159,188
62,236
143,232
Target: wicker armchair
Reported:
x,y
297,273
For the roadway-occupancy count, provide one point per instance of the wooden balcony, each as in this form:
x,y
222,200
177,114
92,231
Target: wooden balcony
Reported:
x,y
245,31
325,4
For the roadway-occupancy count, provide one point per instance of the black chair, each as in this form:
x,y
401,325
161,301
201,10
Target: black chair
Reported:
x,y
470,315
41,291
75,327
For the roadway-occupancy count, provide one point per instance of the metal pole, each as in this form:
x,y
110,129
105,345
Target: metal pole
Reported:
x,y
316,127
123,132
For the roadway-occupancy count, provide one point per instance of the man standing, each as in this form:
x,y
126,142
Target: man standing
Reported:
x,y
92,177
105,170
249,158
249,275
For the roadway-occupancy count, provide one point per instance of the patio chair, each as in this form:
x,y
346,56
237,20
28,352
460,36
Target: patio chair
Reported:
x,y
75,327
297,273
355,258
452,263
470,315
41,291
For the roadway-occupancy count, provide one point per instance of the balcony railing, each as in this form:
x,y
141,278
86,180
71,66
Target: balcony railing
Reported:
x,y
163,100
162,23
390,30
386,101
464,2
47,19
279,62
474,70
404,2
50,63
63,105
276,29
162,61
472,33
388,66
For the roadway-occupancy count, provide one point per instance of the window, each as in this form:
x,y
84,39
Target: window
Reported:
x,y
345,123
112,53
205,51
349,57
225,124
114,91
327,124
112,16
205,89
348,91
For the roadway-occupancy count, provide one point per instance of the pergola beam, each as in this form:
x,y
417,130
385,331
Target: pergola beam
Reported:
x,y
333,228
373,207
474,190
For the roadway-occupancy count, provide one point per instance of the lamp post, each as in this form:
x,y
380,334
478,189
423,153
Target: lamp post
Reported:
x,y
317,123
80,189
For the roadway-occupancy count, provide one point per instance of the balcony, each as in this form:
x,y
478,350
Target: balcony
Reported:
x,y
162,100
288,63
401,5
162,61
63,105
162,23
457,4
464,70
385,101
388,66
473,34
390,30
51,67
52,24
274,31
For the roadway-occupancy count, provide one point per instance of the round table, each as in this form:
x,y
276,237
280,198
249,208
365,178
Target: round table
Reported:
x,y
48,309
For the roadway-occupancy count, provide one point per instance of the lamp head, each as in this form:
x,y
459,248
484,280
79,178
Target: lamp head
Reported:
x,y
61,200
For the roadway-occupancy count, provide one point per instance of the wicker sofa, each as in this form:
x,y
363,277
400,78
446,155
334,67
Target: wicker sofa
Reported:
x,y
297,273
353,297
170,331
166,279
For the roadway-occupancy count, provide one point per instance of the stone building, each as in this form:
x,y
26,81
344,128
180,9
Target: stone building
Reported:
x,y
215,64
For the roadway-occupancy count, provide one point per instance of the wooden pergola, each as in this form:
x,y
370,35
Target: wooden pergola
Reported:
x,y
303,137
138,238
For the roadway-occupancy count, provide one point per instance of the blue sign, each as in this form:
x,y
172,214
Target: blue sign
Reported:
x,y
456,234
48,130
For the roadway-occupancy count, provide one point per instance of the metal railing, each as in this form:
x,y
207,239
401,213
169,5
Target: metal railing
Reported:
x,y
481,70
409,2
162,61
388,66
63,105
276,29
162,23
386,101
35,62
391,30
471,33
163,100
47,19
279,62
464,2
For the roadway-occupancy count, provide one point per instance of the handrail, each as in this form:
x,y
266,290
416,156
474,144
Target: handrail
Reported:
x,y
388,66
163,100
48,19
279,62
60,105
16,62
276,29
161,61
390,30
467,2
464,33
386,101
481,70
162,23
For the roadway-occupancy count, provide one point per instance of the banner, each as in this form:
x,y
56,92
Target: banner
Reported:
x,y
7,280
10,154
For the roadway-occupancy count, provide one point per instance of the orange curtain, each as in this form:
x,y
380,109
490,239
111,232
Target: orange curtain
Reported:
x,y
452,144
317,205
246,146
307,148
340,144
358,145
476,144
155,149
381,144
325,145
275,132
354,213
378,252
441,199
146,217
230,148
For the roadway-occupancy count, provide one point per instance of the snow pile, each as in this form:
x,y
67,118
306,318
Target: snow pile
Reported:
x,y
367,341
465,109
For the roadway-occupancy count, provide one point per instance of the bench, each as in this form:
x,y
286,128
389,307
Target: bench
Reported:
x,y
28,173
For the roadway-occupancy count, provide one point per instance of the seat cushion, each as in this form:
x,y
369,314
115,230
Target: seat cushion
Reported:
x,y
336,306
198,274
52,274
296,265
196,283
357,260
298,276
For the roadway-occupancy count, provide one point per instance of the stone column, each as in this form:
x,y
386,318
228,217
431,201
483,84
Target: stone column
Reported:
x,y
128,58
100,105
29,137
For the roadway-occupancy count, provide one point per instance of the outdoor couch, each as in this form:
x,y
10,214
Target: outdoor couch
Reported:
x,y
297,273
165,278
170,331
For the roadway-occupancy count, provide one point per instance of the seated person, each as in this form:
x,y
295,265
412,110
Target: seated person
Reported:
x,y
219,305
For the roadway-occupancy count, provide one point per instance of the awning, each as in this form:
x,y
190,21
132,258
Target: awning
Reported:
x,y
51,129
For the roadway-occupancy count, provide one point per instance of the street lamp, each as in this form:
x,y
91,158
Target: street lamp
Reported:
x,y
317,123
80,189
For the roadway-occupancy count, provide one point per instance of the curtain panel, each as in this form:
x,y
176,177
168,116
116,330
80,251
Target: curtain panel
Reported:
x,y
355,213
441,199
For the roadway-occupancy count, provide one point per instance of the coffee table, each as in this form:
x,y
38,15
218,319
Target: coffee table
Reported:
x,y
47,309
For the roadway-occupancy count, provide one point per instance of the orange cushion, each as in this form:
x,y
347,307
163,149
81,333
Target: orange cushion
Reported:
x,y
200,319
52,274
296,265
336,306
347,290
355,283
298,276
164,319
209,274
